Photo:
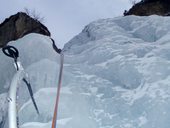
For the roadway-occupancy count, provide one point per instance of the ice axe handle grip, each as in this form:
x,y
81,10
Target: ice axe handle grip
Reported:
x,y
10,51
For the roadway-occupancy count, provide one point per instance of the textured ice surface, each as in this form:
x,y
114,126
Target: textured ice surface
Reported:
x,y
130,56
116,75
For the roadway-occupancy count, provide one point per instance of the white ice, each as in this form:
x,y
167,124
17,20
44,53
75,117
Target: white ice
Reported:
x,y
116,75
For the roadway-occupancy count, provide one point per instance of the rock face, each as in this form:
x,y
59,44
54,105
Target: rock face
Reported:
x,y
150,7
19,25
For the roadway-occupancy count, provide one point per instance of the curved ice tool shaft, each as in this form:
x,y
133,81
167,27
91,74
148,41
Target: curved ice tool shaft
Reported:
x,y
12,52
12,99
13,91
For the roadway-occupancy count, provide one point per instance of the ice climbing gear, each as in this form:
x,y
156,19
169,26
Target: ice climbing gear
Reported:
x,y
31,94
11,51
13,119
54,121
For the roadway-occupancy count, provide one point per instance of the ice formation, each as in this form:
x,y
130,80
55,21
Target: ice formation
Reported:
x,y
116,75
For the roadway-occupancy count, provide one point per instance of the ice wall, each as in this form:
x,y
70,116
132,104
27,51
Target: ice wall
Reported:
x,y
116,75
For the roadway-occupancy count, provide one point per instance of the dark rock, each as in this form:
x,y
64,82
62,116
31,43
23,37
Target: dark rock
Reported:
x,y
150,7
19,25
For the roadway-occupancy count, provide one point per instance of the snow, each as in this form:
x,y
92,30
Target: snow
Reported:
x,y
61,124
116,75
